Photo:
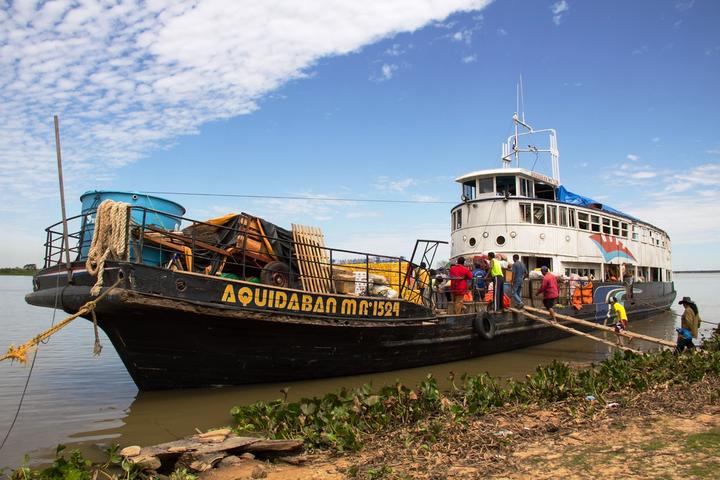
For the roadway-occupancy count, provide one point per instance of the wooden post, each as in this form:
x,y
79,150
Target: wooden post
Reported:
x,y
572,330
627,334
66,240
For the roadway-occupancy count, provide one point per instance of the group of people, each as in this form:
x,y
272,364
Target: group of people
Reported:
x,y
461,280
490,274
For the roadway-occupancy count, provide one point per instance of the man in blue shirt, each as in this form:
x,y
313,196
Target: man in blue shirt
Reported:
x,y
478,282
519,272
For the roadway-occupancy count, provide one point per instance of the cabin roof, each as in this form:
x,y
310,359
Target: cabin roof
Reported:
x,y
506,171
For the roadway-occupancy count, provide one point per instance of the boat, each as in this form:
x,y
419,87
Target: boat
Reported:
x,y
237,299
598,251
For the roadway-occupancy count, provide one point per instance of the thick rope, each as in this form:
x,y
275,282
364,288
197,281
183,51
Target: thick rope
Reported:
x,y
109,239
20,353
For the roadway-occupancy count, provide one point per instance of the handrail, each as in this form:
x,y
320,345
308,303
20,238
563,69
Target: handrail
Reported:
x,y
234,256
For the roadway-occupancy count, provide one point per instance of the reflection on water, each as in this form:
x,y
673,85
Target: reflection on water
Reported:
x,y
83,401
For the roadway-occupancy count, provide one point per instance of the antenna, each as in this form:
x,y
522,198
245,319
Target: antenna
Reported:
x,y
522,100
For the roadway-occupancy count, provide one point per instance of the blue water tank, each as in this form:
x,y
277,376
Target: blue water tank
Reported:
x,y
164,217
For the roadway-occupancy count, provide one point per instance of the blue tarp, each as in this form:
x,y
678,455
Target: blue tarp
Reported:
x,y
563,195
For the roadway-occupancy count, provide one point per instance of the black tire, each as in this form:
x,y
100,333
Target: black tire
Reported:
x,y
485,326
276,274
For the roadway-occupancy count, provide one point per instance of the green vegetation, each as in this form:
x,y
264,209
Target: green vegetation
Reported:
x,y
340,420
75,467
29,269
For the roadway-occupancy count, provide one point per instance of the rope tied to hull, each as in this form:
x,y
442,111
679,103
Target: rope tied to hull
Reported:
x,y
20,353
109,240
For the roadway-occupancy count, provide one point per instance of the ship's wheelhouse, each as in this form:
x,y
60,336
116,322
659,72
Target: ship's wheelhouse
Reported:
x,y
513,210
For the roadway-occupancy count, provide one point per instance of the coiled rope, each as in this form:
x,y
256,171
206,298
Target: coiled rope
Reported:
x,y
20,353
109,240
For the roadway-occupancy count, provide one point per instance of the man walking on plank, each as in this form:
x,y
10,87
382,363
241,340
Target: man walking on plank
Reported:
x,y
550,291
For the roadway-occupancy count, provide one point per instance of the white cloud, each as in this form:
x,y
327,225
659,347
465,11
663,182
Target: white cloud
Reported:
x,y
129,77
655,139
387,71
643,175
470,58
632,157
502,32
675,205
641,50
464,36
395,51
714,151
684,5
558,9
386,184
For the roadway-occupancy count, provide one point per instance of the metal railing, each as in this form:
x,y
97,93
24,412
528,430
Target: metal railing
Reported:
x,y
198,248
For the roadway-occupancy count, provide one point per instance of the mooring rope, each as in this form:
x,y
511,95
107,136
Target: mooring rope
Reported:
x,y
109,239
20,353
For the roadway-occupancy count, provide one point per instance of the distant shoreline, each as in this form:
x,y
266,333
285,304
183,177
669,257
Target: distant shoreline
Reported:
x,y
17,271
696,271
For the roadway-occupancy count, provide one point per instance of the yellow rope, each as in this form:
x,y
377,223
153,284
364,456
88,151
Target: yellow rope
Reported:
x,y
20,353
109,239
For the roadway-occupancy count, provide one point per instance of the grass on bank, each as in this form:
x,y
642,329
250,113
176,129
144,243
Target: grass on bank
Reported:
x,y
340,421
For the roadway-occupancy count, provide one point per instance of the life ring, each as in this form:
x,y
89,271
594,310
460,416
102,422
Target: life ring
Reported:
x,y
485,326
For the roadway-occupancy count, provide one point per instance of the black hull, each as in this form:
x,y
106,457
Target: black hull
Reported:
x,y
169,338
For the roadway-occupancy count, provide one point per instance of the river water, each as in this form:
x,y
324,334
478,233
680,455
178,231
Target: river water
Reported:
x,y
91,402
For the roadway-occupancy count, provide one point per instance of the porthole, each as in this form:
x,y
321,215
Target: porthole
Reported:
x,y
500,240
472,241
486,234
567,238
513,234
134,197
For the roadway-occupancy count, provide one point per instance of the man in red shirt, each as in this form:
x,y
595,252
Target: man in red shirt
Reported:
x,y
459,275
550,291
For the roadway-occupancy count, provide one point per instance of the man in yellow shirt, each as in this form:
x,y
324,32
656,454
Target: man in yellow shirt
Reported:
x,y
618,311
495,275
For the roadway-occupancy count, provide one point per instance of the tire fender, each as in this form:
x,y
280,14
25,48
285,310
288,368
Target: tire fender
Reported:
x,y
484,325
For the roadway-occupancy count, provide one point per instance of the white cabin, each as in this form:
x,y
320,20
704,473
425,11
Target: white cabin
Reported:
x,y
513,210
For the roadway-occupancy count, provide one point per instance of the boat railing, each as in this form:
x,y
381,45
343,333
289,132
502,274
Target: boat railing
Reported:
x,y
241,249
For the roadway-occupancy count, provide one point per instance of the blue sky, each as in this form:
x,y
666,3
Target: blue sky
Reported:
x,y
383,100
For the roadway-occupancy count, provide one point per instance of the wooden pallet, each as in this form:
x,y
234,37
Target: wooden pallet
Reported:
x,y
313,259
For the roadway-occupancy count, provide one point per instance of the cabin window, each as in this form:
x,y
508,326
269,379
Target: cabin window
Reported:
x,y
616,227
563,217
506,184
581,272
457,219
526,187
606,226
595,223
583,221
468,190
525,213
543,190
538,213
624,230
571,219
552,215
486,185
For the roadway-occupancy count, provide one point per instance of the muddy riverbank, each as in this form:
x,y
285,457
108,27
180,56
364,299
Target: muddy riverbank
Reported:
x,y
670,431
